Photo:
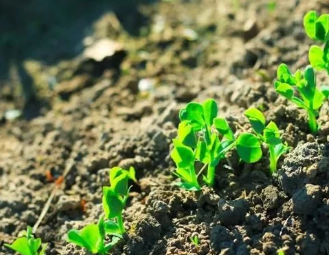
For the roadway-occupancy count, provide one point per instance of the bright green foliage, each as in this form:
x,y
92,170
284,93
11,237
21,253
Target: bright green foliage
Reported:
x,y
27,244
268,134
317,28
280,252
195,240
249,148
198,140
115,197
309,96
93,237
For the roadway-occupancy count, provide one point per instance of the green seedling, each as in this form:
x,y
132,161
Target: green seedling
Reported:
x,y
268,134
195,240
317,28
27,244
93,237
115,196
198,140
309,97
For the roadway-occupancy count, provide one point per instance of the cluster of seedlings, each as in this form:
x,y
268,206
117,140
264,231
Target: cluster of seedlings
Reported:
x,y
206,138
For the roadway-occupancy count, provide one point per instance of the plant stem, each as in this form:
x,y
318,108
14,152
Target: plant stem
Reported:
x,y
211,175
120,224
312,121
202,169
273,161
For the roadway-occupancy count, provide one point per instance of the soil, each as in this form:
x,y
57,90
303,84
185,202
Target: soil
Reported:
x,y
116,103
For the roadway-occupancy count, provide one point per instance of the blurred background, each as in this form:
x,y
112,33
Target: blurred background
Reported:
x,y
50,50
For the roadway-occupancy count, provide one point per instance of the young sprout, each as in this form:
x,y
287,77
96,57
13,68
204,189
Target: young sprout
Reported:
x,y
309,96
317,28
115,196
93,236
198,140
195,240
27,244
269,135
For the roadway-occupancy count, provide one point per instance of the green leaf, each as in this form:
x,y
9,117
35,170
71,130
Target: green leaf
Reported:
x,y
308,89
34,244
201,152
101,227
186,134
21,246
88,238
272,134
210,110
284,75
309,24
194,113
112,203
249,148
256,118
115,172
318,99
223,128
185,174
182,155
189,178
284,89
120,185
315,56
322,27
112,228
280,149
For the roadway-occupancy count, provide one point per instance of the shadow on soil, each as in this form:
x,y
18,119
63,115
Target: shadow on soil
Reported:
x,y
51,31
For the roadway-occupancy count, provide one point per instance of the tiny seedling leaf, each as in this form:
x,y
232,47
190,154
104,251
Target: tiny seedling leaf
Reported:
x,y
21,246
182,155
249,148
256,118
308,88
210,110
112,228
309,24
285,76
186,134
315,56
322,27
318,99
284,89
89,237
120,184
112,203
223,128
272,134
194,113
